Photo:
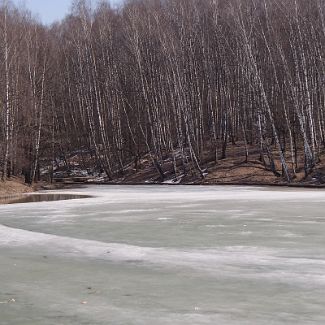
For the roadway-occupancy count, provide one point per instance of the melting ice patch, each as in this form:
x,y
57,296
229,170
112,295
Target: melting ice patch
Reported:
x,y
224,262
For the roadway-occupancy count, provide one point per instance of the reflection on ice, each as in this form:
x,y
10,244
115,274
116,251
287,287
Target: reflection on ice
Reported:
x,y
30,198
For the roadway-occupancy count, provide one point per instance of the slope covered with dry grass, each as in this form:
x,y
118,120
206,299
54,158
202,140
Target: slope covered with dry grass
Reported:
x,y
14,186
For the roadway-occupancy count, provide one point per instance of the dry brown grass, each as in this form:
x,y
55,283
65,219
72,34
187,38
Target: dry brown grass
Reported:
x,y
14,186
232,170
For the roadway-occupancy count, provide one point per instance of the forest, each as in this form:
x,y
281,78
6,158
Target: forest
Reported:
x,y
176,79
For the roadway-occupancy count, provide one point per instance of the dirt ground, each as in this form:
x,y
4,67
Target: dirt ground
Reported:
x,y
232,170
14,186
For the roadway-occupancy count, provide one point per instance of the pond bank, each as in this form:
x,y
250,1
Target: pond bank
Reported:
x,y
14,186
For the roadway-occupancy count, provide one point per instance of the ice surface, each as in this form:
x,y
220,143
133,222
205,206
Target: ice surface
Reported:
x,y
165,255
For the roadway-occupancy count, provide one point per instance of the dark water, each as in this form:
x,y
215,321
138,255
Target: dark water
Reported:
x,y
29,198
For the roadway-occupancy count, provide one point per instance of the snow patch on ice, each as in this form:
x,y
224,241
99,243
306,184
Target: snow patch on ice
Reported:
x,y
227,261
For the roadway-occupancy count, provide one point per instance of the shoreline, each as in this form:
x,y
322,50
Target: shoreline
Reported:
x,y
76,184
15,187
296,185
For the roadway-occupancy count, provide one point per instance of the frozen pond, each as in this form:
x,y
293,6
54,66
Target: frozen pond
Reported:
x,y
156,255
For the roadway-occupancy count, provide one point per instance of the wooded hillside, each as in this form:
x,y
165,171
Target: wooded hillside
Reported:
x,y
182,79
